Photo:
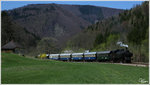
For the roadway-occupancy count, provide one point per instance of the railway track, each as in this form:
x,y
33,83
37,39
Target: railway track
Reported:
x,y
129,64
141,65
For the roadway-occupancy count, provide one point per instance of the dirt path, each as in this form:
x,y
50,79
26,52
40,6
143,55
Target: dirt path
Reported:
x,y
142,65
130,64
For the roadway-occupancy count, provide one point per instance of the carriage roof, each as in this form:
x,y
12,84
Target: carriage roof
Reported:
x,y
104,52
88,53
77,53
65,54
54,54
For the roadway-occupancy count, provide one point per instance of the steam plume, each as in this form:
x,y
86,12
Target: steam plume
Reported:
x,y
122,45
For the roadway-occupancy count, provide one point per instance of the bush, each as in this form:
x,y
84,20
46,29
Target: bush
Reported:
x,y
43,56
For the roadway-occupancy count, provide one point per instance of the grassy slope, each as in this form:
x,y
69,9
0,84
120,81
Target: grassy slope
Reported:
x,y
16,69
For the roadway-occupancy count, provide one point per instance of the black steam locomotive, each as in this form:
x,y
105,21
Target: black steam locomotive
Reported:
x,y
119,55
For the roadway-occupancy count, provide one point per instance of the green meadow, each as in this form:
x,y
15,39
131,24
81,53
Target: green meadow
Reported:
x,y
17,69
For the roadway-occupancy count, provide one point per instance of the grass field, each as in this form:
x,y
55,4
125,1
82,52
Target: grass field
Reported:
x,y
21,70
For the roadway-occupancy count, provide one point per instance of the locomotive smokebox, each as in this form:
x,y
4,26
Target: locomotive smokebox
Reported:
x,y
126,48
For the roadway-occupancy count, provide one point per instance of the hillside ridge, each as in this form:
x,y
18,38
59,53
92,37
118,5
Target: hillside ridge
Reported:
x,y
58,21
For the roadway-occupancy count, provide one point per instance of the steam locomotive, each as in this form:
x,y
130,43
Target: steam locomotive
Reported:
x,y
119,55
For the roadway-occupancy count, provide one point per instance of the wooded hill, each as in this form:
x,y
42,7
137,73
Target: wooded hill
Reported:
x,y
12,31
131,27
47,27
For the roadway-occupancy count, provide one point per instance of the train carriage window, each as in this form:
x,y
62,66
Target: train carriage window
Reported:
x,y
64,56
77,56
90,55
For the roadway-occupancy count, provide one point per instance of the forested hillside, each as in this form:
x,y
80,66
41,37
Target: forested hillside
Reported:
x,y
29,42
131,27
45,28
60,22
12,31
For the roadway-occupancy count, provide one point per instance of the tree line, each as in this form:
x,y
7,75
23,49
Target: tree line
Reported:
x,y
131,27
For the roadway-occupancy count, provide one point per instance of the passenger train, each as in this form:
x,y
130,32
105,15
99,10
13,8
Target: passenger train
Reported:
x,y
119,55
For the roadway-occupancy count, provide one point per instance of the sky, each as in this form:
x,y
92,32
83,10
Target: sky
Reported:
x,y
8,5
